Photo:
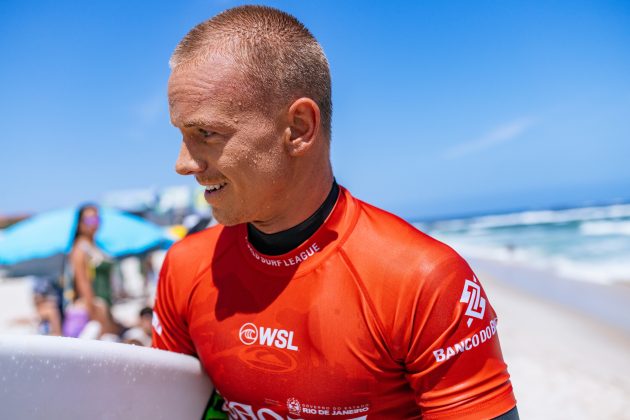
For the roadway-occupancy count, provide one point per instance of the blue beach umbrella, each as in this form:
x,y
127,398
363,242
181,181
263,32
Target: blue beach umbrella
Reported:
x,y
49,235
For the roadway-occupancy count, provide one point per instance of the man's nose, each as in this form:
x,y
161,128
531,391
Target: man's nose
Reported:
x,y
186,163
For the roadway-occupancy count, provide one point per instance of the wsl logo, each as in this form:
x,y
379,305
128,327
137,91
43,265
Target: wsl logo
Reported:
x,y
250,334
472,296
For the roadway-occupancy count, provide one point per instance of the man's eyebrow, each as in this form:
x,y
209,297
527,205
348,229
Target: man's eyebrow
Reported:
x,y
193,123
197,123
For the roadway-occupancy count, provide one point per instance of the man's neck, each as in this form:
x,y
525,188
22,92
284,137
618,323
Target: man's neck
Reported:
x,y
282,242
297,201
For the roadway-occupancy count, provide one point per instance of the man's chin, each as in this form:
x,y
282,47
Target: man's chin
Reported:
x,y
226,219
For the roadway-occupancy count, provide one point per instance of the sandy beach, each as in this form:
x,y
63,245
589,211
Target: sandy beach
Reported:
x,y
566,360
17,312
564,363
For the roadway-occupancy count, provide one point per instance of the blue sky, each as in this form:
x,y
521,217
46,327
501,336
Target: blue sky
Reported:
x,y
440,108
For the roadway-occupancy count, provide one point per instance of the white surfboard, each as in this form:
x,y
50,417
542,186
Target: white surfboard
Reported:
x,y
66,378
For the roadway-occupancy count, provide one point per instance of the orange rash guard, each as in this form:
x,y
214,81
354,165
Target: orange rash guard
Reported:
x,y
369,318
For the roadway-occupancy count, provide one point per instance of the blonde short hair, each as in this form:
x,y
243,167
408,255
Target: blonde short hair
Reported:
x,y
280,58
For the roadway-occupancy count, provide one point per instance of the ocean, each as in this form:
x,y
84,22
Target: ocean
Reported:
x,y
589,244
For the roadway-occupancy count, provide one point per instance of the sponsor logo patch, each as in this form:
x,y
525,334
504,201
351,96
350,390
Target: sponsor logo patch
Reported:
x,y
297,409
466,344
294,406
296,259
268,359
248,334
273,337
472,296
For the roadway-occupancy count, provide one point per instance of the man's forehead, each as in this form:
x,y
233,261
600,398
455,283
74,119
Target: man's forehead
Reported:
x,y
197,86
200,91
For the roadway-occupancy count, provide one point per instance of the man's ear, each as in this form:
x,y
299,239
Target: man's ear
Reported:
x,y
304,119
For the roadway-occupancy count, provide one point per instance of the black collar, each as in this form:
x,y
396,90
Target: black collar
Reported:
x,y
282,242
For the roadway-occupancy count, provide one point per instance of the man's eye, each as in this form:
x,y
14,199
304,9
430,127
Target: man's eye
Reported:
x,y
205,133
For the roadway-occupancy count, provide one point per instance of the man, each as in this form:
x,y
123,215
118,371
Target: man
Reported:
x,y
306,302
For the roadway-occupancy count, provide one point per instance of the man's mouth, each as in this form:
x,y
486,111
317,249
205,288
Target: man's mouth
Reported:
x,y
214,188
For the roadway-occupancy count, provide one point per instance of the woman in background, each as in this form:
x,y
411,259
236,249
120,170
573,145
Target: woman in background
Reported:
x,y
89,270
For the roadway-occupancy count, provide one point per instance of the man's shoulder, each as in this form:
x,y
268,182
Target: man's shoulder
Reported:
x,y
401,270
385,239
394,260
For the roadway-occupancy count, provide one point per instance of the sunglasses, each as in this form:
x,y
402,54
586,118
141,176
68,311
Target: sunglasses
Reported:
x,y
91,220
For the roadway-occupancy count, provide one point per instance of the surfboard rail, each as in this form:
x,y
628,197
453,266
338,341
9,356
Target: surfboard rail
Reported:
x,y
69,378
